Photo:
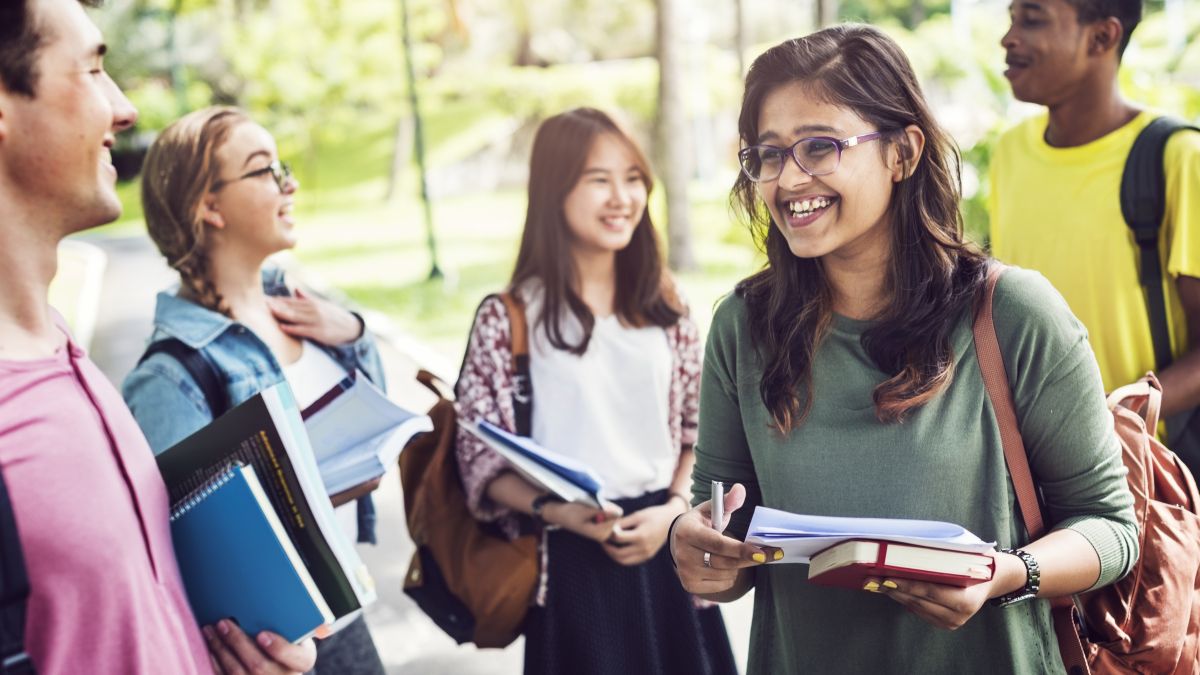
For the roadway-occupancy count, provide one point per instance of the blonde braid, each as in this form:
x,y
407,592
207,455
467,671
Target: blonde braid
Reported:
x,y
180,170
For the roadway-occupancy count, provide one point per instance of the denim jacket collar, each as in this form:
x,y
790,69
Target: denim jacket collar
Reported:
x,y
197,326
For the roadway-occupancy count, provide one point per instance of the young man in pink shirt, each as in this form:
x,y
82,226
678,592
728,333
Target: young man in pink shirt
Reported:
x,y
90,507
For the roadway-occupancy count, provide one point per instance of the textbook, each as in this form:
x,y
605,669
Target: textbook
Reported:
x,y
569,479
803,536
237,560
267,433
357,433
849,563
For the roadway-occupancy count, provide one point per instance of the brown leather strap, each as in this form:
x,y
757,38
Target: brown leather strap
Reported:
x,y
516,320
995,379
522,381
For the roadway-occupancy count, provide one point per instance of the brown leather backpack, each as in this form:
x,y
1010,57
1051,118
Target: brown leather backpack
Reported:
x,y
1149,621
474,582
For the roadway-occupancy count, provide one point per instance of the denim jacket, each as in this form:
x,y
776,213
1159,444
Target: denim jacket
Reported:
x,y
170,406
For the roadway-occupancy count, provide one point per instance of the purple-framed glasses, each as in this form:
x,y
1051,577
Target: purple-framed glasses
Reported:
x,y
815,155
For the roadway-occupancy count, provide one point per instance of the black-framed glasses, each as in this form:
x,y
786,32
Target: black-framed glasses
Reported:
x,y
280,171
815,155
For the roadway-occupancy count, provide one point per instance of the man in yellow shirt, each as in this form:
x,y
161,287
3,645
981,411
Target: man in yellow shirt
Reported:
x,y
1055,193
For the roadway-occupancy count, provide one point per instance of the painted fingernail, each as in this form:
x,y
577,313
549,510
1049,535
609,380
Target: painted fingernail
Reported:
x,y
890,584
223,627
871,586
264,639
778,555
759,557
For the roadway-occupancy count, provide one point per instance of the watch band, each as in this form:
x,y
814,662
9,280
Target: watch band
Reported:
x,y
539,503
1033,580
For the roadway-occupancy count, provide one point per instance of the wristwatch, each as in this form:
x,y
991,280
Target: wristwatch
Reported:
x,y
539,503
1033,580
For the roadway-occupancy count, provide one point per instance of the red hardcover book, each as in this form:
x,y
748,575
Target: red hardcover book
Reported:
x,y
849,563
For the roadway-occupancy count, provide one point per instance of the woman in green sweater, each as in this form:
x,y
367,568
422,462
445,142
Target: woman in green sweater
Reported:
x,y
842,380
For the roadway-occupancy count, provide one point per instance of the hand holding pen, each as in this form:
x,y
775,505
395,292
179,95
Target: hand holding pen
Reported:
x,y
709,562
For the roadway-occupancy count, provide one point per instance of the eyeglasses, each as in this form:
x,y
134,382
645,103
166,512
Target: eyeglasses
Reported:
x,y
816,156
280,171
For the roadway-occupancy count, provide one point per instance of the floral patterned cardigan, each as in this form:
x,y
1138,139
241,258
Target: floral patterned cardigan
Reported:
x,y
484,392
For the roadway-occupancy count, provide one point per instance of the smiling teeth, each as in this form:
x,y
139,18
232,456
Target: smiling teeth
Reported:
x,y
807,206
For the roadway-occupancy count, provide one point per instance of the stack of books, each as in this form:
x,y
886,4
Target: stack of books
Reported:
x,y
254,530
846,551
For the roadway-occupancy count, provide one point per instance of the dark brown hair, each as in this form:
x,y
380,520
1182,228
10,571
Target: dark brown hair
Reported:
x,y
932,273
644,294
1128,12
181,167
20,39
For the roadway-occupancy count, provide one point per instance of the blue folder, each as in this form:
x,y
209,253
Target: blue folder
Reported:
x,y
575,473
238,562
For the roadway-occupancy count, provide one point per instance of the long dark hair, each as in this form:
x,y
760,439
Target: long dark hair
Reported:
x,y
933,273
644,293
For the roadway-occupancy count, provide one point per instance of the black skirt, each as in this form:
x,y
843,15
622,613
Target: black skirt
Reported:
x,y
603,618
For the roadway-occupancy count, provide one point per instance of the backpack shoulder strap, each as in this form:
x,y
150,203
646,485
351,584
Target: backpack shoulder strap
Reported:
x,y
1143,204
14,593
522,382
202,370
995,380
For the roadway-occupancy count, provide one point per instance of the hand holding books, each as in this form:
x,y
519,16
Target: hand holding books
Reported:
x,y
940,571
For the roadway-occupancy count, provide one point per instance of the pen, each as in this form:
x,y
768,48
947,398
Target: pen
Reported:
x,y
718,505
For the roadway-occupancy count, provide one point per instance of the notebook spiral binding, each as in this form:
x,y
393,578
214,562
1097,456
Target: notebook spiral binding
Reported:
x,y
193,498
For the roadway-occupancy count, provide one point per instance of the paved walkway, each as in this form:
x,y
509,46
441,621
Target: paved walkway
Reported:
x,y
408,641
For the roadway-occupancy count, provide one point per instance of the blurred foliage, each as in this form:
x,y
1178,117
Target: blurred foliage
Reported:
x,y
327,76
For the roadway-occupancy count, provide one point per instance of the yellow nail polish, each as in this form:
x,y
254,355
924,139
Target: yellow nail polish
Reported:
x,y
778,555
890,584
871,586
759,557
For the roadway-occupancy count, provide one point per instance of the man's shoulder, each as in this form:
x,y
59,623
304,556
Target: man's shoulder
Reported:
x,y
1183,146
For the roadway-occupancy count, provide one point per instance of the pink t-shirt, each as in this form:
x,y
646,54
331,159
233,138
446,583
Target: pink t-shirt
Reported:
x,y
92,514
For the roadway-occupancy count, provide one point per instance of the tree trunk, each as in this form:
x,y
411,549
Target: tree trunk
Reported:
x,y
826,13
739,36
674,136
402,149
916,14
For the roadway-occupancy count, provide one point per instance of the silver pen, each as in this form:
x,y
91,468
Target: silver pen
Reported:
x,y
718,505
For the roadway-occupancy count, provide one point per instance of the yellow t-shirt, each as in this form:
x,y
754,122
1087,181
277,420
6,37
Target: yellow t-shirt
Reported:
x,y
1058,211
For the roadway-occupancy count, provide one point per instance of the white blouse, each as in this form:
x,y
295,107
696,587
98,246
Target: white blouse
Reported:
x,y
608,407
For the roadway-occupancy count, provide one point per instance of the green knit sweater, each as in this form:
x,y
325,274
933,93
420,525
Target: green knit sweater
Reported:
x,y
945,462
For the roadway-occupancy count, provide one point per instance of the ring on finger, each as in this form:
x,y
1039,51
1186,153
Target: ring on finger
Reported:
x,y
708,559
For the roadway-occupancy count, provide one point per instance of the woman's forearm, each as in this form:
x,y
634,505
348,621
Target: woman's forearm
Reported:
x,y
681,482
1068,562
512,492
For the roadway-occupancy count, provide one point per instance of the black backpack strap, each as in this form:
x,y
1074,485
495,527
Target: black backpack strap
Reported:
x,y
203,372
522,382
1143,204
14,593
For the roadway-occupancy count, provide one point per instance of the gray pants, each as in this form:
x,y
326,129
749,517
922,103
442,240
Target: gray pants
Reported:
x,y
350,651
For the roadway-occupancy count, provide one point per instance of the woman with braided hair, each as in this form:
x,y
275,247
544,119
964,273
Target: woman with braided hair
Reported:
x,y
218,202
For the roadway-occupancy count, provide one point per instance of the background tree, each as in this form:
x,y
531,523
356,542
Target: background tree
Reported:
x,y
674,146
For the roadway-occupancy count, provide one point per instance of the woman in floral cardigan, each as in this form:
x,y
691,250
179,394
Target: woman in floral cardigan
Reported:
x,y
615,365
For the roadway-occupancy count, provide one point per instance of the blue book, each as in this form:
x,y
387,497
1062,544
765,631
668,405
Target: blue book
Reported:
x,y
575,480
237,560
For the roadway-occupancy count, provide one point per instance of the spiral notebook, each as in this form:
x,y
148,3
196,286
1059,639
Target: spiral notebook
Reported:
x,y
237,560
